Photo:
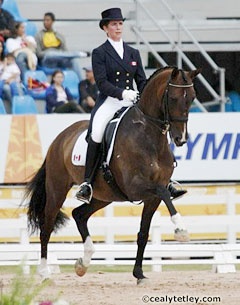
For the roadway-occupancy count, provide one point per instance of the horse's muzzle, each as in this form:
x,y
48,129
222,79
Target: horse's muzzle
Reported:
x,y
179,142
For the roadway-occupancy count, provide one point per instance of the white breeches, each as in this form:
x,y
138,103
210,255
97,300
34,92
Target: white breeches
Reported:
x,y
104,114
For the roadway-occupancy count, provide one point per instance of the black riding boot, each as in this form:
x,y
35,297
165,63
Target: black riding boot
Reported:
x,y
92,159
174,192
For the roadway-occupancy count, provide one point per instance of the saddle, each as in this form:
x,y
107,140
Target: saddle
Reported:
x,y
107,149
110,131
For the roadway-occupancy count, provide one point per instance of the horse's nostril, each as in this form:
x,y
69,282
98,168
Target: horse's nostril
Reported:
x,y
179,141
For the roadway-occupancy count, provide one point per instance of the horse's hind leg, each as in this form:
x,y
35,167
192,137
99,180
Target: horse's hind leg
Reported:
x,y
81,215
51,219
180,232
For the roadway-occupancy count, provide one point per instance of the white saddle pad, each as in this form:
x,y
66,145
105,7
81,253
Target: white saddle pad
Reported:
x,y
80,150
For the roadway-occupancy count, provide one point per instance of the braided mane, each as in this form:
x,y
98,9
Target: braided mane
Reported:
x,y
158,71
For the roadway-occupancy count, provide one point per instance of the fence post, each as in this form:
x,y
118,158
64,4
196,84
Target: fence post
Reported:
x,y
24,240
231,210
109,235
156,238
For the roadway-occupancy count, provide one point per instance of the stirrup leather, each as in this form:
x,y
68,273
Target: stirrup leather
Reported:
x,y
82,197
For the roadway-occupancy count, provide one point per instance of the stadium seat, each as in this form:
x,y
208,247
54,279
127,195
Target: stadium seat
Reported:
x,y
12,7
48,70
2,107
71,81
35,92
24,104
195,109
30,28
235,101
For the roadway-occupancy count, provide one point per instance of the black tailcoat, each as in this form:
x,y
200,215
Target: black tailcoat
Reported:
x,y
113,74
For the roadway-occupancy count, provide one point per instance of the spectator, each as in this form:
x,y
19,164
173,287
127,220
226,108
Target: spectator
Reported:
x,y
23,47
88,90
7,23
58,98
10,82
1,57
51,48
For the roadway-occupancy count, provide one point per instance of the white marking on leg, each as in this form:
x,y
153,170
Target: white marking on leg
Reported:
x,y
43,269
178,222
88,251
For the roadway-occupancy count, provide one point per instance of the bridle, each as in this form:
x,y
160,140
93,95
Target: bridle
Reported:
x,y
165,124
166,108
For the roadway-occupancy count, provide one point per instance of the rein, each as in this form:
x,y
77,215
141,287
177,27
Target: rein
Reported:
x,y
164,126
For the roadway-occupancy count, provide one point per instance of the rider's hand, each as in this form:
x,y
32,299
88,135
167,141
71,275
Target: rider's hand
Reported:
x,y
129,95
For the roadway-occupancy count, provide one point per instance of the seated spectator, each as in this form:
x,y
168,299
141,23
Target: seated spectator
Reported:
x,y
1,57
88,91
23,47
58,98
7,23
51,48
10,82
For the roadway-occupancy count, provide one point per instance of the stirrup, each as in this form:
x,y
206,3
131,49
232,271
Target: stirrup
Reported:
x,y
86,198
175,193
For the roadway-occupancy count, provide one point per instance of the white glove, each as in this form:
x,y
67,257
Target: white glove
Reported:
x,y
129,95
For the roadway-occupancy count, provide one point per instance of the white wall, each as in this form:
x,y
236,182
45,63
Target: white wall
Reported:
x,y
86,34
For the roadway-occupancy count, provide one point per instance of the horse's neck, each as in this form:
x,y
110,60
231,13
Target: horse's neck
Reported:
x,y
151,98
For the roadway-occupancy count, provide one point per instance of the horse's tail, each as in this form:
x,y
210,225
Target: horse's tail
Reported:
x,y
36,192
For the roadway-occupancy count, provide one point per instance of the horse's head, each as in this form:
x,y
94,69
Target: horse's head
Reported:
x,y
166,100
178,97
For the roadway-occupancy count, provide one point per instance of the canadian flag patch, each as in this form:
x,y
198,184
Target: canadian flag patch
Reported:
x,y
76,157
133,63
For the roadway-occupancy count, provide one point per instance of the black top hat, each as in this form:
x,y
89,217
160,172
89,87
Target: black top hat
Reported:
x,y
111,14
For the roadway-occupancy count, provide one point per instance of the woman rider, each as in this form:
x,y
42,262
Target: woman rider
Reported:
x,y
115,66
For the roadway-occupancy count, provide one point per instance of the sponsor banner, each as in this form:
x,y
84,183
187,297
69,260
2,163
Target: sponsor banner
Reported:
x,y
212,152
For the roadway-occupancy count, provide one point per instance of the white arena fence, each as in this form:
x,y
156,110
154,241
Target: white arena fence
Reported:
x,y
222,256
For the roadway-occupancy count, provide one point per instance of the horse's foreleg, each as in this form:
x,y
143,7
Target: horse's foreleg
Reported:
x,y
147,214
180,232
82,264
81,215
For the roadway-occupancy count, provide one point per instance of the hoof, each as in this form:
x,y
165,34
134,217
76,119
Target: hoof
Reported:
x,y
181,235
44,273
143,281
80,269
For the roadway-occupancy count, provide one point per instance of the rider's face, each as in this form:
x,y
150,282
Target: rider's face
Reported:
x,y
114,29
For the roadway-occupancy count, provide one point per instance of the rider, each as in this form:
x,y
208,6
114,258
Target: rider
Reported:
x,y
115,66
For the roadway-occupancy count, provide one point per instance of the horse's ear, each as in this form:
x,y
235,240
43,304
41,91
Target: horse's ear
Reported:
x,y
175,72
194,73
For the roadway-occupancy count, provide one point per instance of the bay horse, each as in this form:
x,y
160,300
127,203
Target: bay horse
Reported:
x,y
142,165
